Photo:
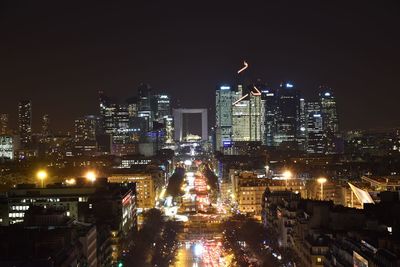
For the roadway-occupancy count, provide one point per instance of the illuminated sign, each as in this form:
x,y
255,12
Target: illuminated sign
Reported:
x,y
289,85
227,143
225,87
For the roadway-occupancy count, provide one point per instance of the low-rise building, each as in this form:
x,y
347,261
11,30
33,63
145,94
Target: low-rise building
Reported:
x,y
248,190
145,187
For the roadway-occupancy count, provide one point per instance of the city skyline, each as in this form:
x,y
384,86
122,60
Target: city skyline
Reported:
x,y
65,55
199,134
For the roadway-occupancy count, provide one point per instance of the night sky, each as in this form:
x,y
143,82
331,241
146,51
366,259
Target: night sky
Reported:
x,y
60,53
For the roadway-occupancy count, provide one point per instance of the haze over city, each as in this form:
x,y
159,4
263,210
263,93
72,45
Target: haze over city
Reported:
x,y
57,53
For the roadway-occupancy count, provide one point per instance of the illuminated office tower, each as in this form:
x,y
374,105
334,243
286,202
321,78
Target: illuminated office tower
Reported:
x,y
7,147
3,123
302,128
86,128
223,116
108,110
25,123
45,125
315,131
269,97
121,131
115,119
288,116
248,117
163,107
330,119
145,105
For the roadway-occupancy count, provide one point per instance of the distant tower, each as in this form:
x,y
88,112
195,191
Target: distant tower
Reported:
x,y
288,116
270,99
223,121
108,111
315,132
163,107
45,125
146,105
25,123
3,124
330,118
86,128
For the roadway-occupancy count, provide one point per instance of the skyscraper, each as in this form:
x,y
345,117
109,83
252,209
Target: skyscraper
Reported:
x,y
248,117
108,109
45,125
223,121
3,123
86,128
315,132
25,123
288,116
270,98
302,128
330,118
121,132
163,109
145,105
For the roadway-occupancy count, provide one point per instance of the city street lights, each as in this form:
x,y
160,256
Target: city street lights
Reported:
x,y
41,175
322,180
91,176
287,175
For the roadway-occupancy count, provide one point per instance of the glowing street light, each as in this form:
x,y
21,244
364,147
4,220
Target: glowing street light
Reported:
x,y
287,175
41,175
71,181
322,180
91,176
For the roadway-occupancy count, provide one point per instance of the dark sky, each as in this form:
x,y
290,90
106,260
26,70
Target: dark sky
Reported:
x,y
59,53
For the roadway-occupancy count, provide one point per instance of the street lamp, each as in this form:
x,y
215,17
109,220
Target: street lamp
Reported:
x,y
322,180
287,175
41,175
91,176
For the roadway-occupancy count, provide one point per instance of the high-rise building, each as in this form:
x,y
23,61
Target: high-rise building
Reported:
x,y
86,128
271,109
223,120
25,123
288,116
315,132
7,147
108,110
248,115
330,119
145,105
163,108
45,125
121,132
3,123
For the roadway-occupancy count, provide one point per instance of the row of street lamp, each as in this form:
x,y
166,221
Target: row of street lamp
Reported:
x,y
42,175
287,175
